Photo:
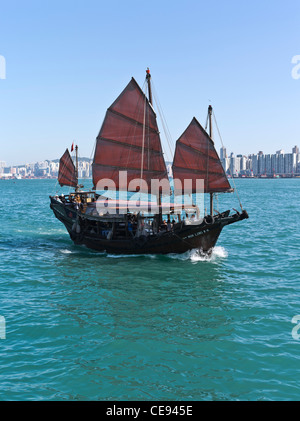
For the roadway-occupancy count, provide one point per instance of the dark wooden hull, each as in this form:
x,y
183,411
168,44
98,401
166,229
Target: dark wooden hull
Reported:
x,y
202,236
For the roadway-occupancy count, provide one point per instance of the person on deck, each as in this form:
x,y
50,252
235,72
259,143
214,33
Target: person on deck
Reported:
x,y
169,226
130,228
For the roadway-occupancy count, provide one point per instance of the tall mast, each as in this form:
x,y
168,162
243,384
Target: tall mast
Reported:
x,y
76,168
210,121
148,77
211,136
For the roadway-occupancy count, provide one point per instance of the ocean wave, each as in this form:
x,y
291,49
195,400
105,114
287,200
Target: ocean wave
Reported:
x,y
198,256
66,251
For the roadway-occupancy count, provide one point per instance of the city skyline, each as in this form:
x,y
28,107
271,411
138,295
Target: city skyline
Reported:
x,y
260,164
284,148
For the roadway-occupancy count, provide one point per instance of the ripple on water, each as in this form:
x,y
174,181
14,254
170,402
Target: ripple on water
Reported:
x,y
84,325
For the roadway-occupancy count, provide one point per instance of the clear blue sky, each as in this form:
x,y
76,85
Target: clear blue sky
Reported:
x,y
67,61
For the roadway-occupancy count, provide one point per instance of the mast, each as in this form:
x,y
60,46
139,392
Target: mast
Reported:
x,y
76,169
211,136
148,77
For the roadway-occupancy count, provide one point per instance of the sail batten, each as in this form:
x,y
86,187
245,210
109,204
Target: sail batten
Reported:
x,y
196,158
67,171
132,120
126,144
127,168
129,140
197,171
204,154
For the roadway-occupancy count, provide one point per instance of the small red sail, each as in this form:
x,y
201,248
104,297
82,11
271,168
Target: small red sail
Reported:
x,y
129,141
67,173
196,158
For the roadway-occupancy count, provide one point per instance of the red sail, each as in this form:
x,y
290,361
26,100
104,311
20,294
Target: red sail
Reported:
x,y
67,173
129,141
196,158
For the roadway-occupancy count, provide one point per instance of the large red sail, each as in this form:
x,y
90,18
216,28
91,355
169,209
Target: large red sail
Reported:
x,y
196,158
129,141
67,173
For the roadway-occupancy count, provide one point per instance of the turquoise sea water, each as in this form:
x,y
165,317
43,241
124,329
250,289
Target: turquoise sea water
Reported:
x,y
87,326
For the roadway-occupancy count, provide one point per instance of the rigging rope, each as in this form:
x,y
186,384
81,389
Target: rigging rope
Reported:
x,y
135,128
164,125
93,150
143,144
235,189
207,163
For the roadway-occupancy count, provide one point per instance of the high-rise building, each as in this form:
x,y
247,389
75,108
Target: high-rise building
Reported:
x,y
281,168
255,169
234,163
2,166
261,163
290,163
222,153
268,165
274,164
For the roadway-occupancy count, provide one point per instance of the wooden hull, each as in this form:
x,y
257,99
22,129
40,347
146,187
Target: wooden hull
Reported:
x,y
200,236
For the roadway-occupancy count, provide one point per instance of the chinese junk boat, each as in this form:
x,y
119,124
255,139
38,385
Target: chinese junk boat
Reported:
x,y
128,159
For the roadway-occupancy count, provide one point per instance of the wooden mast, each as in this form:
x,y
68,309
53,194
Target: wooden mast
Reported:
x,y
148,78
76,169
211,136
